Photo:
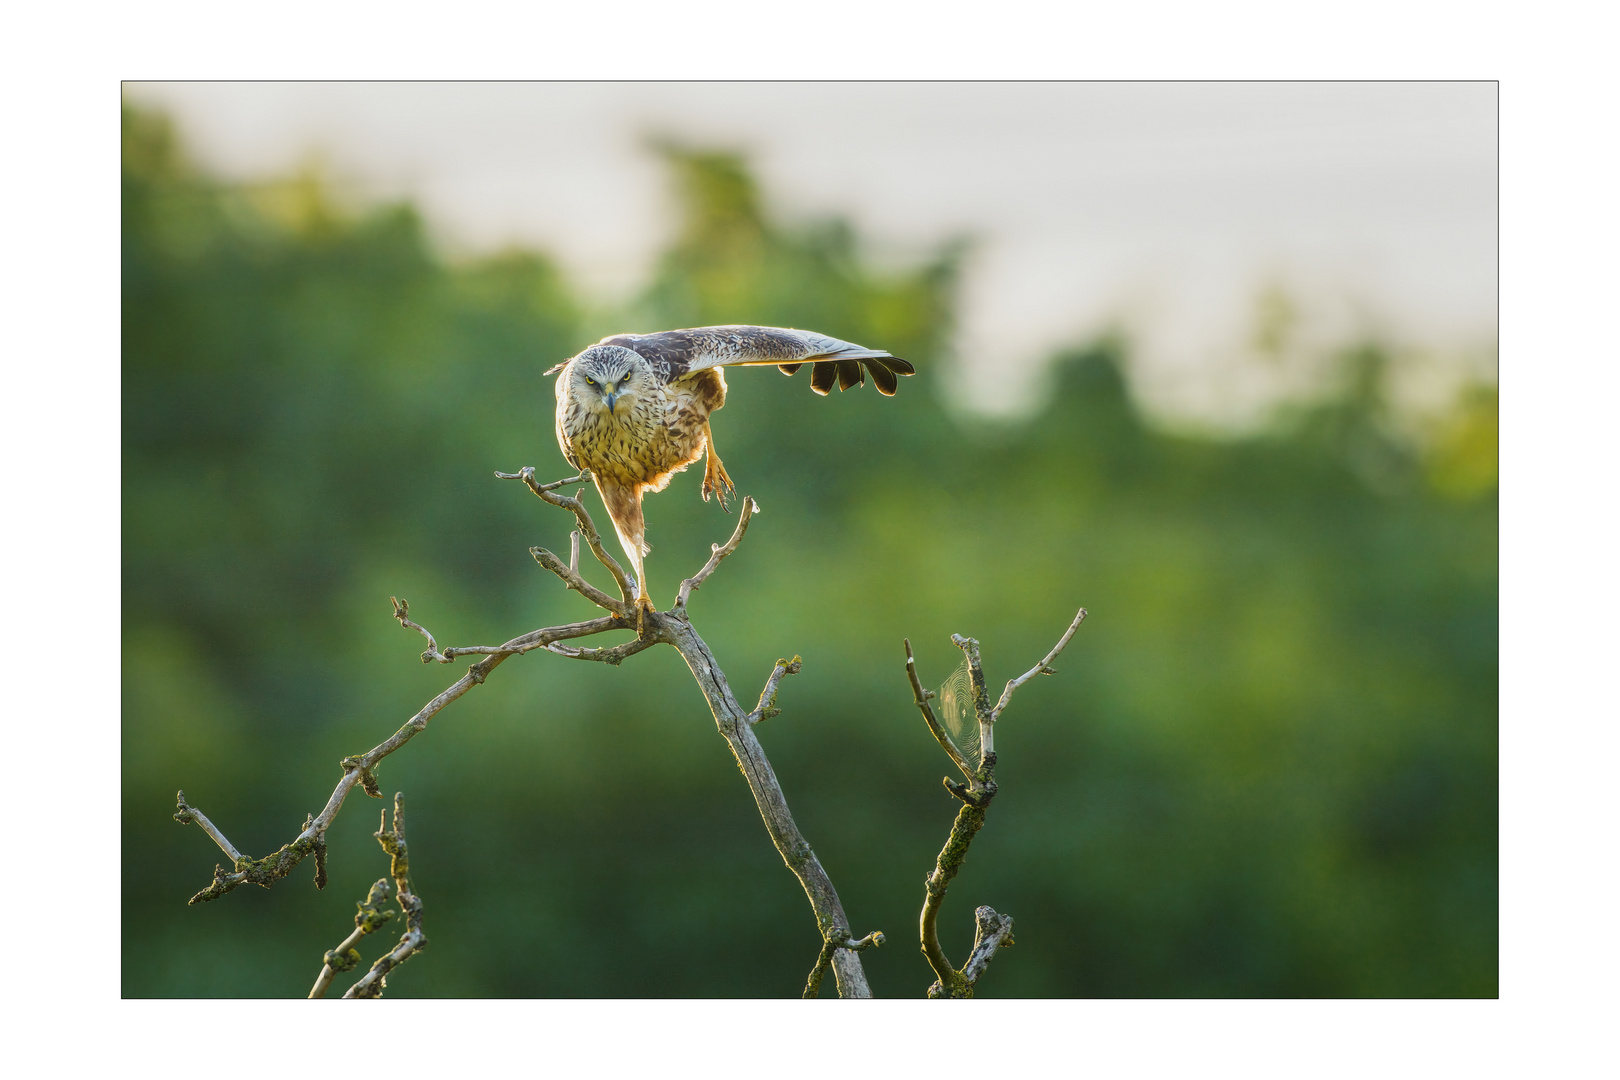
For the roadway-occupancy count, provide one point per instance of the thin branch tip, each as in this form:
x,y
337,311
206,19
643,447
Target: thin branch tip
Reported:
x,y
717,552
392,839
587,528
432,653
1043,668
921,698
767,697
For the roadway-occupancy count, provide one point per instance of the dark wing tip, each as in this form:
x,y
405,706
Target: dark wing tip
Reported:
x,y
850,373
882,378
822,375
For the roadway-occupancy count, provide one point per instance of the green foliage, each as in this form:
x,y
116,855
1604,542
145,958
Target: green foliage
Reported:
x,y
1267,766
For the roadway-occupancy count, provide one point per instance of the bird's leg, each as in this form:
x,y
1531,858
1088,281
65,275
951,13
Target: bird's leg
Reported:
x,y
623,504
715,480
644,602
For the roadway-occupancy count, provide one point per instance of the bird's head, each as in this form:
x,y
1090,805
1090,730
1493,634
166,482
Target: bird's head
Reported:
x,y
609,378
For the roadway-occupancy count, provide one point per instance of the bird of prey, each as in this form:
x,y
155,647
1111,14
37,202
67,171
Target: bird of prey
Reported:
x,y
634,408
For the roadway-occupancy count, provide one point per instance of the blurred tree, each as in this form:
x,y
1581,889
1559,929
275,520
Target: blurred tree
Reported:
x,y
1269,768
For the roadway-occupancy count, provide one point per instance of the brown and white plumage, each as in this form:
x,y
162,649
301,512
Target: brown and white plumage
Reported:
x,y
634,408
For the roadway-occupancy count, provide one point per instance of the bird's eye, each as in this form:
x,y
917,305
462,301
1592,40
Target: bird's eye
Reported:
x,y
589,381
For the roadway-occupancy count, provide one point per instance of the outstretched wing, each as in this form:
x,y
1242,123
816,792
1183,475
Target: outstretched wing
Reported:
x,y
674,353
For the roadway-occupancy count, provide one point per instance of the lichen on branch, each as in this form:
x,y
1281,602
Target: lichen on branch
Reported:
x,y
994,930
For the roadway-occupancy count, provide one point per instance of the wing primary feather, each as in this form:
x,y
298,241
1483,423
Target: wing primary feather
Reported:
x,y
850,374
882,378
788,369
822,374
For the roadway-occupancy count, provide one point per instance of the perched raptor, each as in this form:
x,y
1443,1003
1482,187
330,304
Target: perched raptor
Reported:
x,y
634,408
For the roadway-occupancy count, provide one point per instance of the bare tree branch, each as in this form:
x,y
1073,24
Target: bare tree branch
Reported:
x,y
613,655
360,768
673,628
994,931
922,696
767,697
587,527
190,815
717,553
981,699
413,941
838,939
541,639
346,957
1042,668
401,611
574,580
969,820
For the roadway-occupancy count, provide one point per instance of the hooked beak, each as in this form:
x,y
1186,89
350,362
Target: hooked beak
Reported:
x,y
611,398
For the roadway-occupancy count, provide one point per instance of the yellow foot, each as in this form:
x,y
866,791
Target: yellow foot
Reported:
x,y
718,484
644,605
722,491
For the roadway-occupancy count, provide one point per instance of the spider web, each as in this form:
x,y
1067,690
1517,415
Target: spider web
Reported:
x,y
957,715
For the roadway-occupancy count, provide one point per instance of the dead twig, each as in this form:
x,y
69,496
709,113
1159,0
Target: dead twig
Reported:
x,y
413,941
614,655
734,725
922,697
717,553
346,957
838,939
994,930
190,815
359,769
587,528
1042,668
767,697
673,628
574,580
401,611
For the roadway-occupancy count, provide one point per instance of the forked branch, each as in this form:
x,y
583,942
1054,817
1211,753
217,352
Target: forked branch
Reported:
x,y
673,628
346,957
360,769
413,941
994,930
934,728
836,940
587,528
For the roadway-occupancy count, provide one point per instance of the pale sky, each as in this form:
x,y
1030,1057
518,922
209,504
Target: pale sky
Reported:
x,y
1163,209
